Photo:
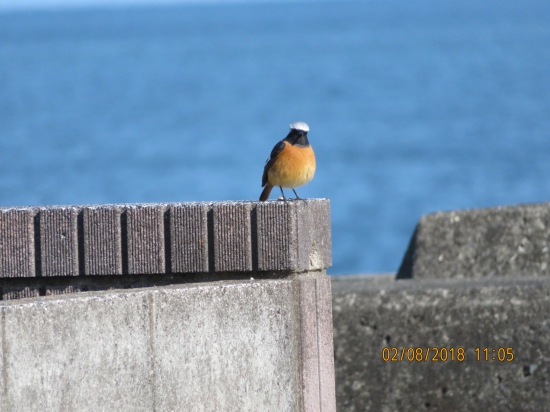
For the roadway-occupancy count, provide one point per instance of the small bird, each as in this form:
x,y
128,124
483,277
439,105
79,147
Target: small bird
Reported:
x,y
291,163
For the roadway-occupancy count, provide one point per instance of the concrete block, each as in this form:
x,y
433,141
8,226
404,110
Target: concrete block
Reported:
x,y
3,398
309,338
323,297
58,241
102,245
189,237
232,244
17,242
317,357
499,241
80,353
145,239
376,312
226,347
254,345
294,235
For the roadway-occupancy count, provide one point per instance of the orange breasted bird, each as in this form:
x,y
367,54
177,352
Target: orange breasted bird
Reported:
x,y
291,163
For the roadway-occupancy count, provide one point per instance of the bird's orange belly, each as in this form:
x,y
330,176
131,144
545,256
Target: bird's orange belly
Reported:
x,y
294,167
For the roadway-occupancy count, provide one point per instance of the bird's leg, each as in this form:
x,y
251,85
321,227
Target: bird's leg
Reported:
x,y
283,193
297,197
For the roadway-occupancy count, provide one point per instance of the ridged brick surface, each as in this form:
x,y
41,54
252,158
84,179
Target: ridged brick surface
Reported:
x,y
145,239
299,228
165,238
276,223
102,241
58,241
53,291
17,243
232,237
19,293
189,238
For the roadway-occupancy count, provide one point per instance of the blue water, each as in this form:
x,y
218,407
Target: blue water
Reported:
x,y
414,106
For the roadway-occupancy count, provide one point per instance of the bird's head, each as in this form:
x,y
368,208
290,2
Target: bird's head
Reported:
x,y
298,134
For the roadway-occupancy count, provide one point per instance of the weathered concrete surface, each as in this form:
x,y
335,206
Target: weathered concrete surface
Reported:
x,y
317,358
229,347
255,345
165,238
86,353
498,241
375,312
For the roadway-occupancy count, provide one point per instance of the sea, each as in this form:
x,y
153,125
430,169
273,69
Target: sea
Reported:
x,y
413,107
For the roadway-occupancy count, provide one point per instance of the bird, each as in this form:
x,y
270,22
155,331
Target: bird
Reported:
x,y
291,163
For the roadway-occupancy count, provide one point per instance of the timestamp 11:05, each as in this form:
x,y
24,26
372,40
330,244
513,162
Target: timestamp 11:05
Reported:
x,y
500,354
444,354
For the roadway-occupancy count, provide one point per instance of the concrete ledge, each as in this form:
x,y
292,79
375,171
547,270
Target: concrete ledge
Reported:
x,y
157,239
499,241
376,312
253,345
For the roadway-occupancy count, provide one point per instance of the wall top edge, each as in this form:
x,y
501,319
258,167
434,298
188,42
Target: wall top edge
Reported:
x,y
151,204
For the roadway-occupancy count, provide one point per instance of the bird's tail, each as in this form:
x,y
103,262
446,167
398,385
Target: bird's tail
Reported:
x,y
265,193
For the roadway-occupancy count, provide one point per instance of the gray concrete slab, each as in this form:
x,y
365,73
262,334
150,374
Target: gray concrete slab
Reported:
x,y
226,347
376,312
79,353
247,345
3,398
498,241
309,336
317,359
17,242
326,349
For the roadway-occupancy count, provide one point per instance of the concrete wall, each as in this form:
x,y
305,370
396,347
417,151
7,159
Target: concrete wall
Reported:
x,y
498,241
246,324
376,312
469,279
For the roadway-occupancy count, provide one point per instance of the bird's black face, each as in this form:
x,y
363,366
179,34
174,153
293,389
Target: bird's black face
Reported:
x,y
297,138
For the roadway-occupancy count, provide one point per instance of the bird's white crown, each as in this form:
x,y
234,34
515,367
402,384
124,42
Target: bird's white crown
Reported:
x,y
300,126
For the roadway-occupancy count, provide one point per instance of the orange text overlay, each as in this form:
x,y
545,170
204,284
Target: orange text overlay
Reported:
x,y
458,354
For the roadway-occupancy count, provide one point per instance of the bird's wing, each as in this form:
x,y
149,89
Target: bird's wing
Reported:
x,y
272,157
